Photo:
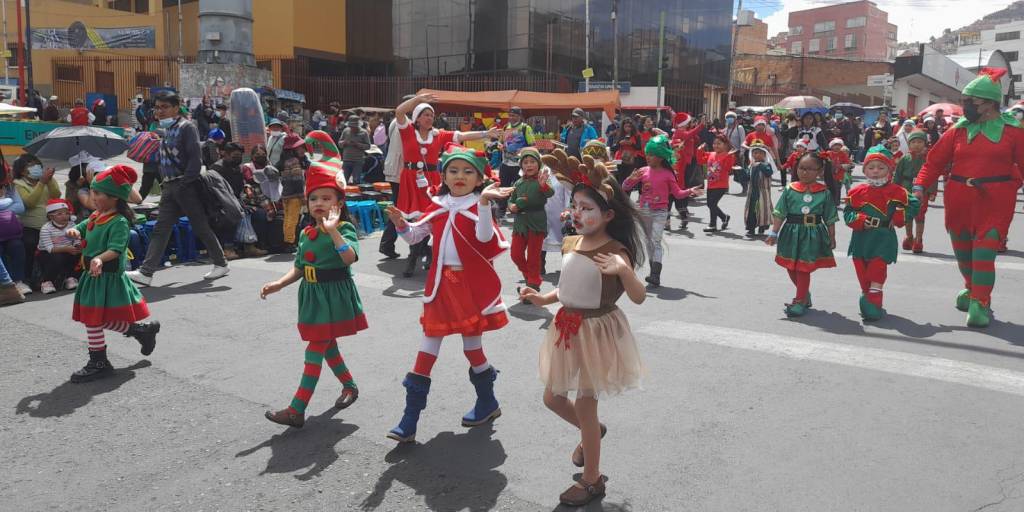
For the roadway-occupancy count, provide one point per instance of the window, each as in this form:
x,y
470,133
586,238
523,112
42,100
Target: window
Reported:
x,y
814,45
796,31
1011,56
68,73
892,36
859,21
797,48
851,41
1008,36
824,26
12,60
1015,78
830,43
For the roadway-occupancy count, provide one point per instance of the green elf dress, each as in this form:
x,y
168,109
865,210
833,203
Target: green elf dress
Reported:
x,y
329,304
111,297
804,244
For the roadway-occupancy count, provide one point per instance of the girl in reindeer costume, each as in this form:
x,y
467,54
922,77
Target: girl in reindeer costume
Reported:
x,y
590,349
466,241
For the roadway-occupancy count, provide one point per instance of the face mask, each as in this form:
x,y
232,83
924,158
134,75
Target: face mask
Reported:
x,y
260,160
167,122
971,112
234,161
35,172
730,120
878,182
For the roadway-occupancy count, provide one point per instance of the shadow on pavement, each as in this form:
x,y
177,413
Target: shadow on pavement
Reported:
x,y
529,312
831,322
164,292
69,397
668,293
451,471
310,447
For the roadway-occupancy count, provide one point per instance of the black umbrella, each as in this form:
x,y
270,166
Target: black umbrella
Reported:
x,y
67,141
849,109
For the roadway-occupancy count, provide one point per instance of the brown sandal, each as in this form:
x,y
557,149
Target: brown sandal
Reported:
x,y
577,454
581,493
347,398
286,417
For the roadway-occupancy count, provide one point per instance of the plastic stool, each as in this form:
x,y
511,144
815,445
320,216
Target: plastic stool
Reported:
x,y
370,214
355,213
185,241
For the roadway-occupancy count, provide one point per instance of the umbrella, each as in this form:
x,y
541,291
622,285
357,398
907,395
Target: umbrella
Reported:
x,y
10,110
64,142
850,109
801,102
947,108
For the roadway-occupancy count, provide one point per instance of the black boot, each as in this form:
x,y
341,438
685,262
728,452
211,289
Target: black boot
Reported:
x,y
410,264
428,255
145,333
98,367
416,389
486,407
543,263
655,278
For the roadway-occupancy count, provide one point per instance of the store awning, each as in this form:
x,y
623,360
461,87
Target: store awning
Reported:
x,y
533,103
284,94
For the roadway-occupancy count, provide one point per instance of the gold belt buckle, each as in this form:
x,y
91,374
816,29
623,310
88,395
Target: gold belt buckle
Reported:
x,y
810,219
873,222
310,274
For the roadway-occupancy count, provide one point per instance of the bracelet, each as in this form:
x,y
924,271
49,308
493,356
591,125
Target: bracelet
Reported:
x,y
344,248
772,234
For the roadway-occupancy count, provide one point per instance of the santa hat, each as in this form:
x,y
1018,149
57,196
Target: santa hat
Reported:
x,y
418,109
987,86
681,118
116,181
730,114
835,141
881,154
800,143
57,204
475,157
760,120
321,176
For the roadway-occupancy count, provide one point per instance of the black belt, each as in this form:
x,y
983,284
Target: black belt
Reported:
x,y
808,219
974,182
876,222
325,275
426,167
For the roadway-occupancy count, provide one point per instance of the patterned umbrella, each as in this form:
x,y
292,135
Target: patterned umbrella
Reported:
x,y
950,109
801,102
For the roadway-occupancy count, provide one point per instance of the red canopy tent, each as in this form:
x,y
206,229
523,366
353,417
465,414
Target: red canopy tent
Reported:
x,y
533,103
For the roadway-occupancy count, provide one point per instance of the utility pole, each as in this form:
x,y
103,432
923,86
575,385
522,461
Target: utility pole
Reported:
x,y
181,38
732,53
28,47
7,76
21,56
615,44
587,43
661,58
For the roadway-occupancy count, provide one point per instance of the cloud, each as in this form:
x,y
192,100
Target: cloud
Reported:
x,y
917,19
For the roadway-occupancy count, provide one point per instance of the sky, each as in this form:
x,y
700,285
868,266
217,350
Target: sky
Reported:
x,y
917,19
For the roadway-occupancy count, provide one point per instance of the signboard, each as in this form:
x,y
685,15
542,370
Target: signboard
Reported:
x,y
827,100
623,87
78,36
880,80
588,73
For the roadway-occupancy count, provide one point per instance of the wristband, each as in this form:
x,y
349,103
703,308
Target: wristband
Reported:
x,y
403,230
344,248
772,234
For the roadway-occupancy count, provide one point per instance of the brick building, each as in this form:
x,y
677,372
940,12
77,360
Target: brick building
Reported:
x,y
751,34
854,30
766,79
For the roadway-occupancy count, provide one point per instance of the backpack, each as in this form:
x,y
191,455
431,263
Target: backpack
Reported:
x,y
144,147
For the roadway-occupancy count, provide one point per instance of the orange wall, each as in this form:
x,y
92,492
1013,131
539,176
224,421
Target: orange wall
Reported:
x,y
272,25
320,26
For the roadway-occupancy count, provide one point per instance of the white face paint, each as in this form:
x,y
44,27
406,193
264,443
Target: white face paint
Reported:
x,y
587,217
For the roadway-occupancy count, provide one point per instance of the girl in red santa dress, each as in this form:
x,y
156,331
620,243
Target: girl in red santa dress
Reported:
x,y
422,145
463,292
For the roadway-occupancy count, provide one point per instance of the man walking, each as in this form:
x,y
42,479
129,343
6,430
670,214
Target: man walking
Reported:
x,y
576,135
179,166
354,141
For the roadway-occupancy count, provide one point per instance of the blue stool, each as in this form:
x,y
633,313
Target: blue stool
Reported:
x,y
146,234
355,212
185,241
370,213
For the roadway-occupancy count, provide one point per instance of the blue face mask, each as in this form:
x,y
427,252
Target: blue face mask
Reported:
x,y
167,122
35,172
730,120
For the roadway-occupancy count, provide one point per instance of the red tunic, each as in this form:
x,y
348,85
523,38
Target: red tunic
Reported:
x,y
989,206
838,159
414,192
685,150
719,168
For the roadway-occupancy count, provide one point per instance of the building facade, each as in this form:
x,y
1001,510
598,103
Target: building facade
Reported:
x,y
854,30
975,52
751,34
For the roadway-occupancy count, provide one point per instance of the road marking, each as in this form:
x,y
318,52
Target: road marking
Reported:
x,y
889,361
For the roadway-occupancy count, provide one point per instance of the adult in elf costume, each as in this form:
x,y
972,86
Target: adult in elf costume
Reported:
x,y
329,304
907,169
873,209
463,291
984,152
105,298
528,202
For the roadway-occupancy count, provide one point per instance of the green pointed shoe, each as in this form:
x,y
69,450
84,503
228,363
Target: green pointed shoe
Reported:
x,y
963,300
795,309
868,311
978,315
809,303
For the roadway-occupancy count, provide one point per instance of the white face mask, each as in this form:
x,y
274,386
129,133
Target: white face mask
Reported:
x,y
878,182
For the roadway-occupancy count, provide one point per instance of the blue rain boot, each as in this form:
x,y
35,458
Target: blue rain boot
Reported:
x,y
486,408
416,389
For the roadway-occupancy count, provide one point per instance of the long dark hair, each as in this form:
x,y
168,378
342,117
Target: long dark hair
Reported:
x,y
624,227
123,209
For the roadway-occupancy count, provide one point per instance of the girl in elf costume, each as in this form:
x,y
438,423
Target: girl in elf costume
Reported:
x,y
105,298
907,169
562,174
422,145
872,210
984,152
589,348
530,194
463,292
757,209
329,305
806,241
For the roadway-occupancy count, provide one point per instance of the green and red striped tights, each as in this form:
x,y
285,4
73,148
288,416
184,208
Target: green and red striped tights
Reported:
x,y
316,352
977,261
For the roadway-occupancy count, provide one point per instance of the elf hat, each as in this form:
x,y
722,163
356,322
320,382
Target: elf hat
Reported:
x,y
57,204
660,147
597,149
320,141
835,141
476,158
116,181
321,176
882,154
531,152
681,118
760,120
987,86
917,134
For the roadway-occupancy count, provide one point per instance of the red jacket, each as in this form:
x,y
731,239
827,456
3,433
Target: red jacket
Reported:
x,y
79,116
686,150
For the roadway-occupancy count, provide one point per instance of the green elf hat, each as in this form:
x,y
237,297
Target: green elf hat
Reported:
x,y
530,151
881,154
660,147
987,85
476,158
116,181
917,135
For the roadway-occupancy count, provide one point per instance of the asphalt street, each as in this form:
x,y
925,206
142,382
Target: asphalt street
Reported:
x,y
742,409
